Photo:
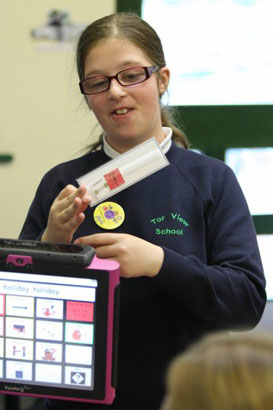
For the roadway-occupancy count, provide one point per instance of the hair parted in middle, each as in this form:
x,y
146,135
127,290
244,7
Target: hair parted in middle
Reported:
x,y
131,27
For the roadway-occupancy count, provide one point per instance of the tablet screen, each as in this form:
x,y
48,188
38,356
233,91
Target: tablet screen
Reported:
x,y
53,332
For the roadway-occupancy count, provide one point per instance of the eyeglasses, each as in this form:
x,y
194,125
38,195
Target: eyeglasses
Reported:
x,y
126,78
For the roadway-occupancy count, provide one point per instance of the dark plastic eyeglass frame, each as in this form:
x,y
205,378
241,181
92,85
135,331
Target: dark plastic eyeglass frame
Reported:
x,y
148,71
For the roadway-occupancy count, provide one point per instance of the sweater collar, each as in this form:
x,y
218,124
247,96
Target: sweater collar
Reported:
x,y
164,145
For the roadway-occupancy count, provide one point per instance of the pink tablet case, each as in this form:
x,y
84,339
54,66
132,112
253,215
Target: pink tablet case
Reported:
x,y
97,264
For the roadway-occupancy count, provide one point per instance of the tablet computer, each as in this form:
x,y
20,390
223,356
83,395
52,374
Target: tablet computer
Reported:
x,y
46,252
58,327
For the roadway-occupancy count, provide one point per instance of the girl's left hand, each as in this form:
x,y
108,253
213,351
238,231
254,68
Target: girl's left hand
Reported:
x,y
136,256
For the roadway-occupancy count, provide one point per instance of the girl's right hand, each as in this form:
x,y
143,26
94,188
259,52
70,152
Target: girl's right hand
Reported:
x,y
66,214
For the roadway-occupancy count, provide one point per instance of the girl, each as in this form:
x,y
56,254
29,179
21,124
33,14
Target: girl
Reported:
x,y
187,246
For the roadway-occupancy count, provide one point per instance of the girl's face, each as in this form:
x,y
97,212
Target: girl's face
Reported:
x,y
128,115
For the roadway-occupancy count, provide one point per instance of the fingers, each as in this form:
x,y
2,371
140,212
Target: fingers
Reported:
x,y
136,256
70,201
69,210
99,239
107,245
71,220
68,195
66,213
103,243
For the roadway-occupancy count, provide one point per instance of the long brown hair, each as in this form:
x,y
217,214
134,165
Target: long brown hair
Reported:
x,y
131,27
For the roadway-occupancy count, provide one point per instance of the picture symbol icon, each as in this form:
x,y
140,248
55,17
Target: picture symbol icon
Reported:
x,y
78,378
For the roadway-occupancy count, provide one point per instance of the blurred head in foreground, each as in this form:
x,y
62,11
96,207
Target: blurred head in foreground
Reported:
x,y
223,372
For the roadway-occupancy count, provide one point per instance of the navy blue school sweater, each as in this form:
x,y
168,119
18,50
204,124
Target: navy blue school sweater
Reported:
x,y
211,278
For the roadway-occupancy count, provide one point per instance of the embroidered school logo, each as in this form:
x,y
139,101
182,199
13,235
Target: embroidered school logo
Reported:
x,y
163,221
